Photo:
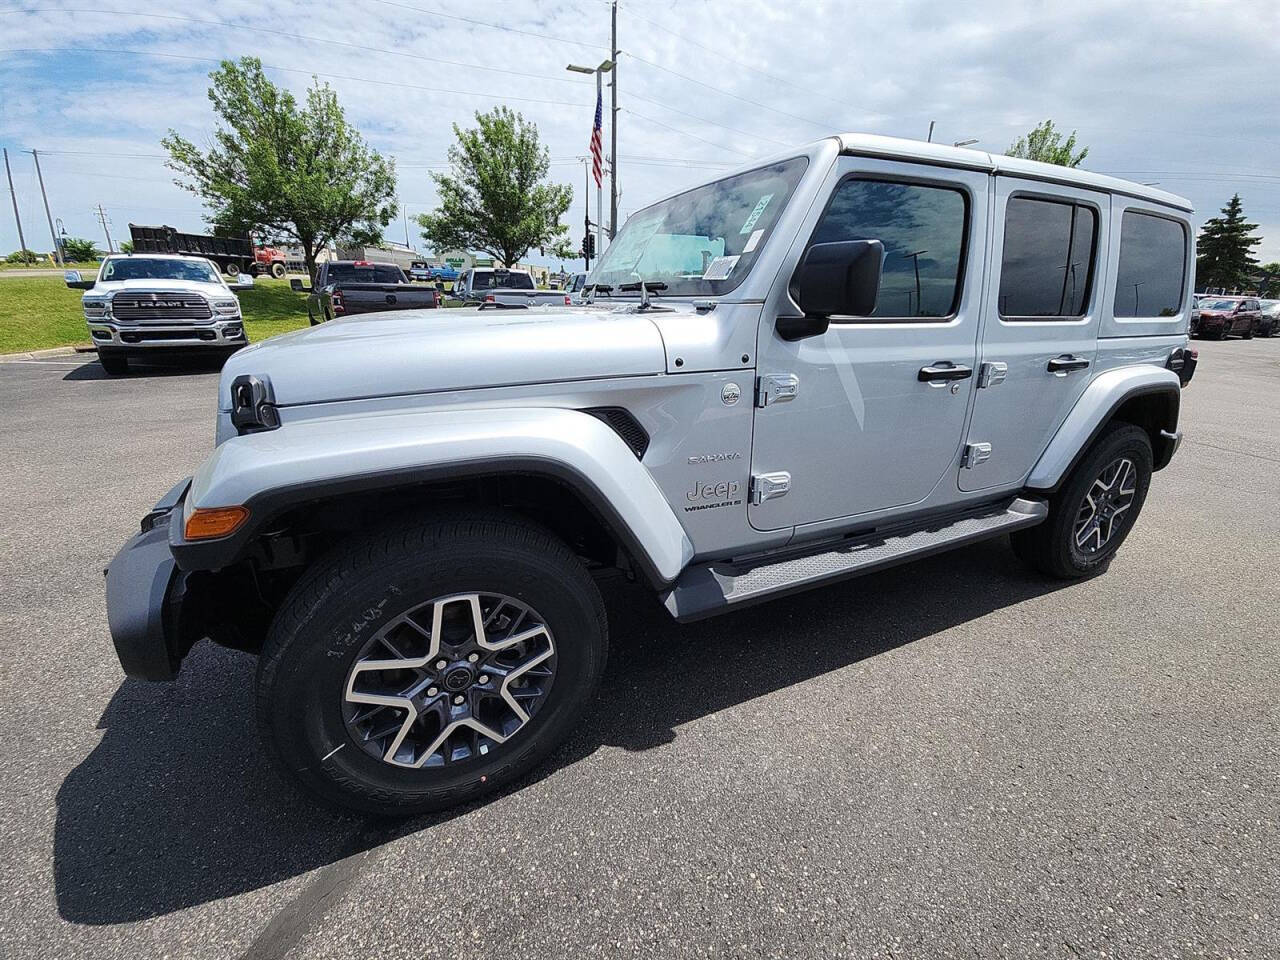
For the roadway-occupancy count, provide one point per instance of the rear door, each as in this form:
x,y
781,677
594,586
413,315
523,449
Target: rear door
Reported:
x,y
1040,333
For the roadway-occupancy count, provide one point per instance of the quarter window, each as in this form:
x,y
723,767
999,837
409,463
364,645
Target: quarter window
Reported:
x,y
1152,270
1046,270
923,231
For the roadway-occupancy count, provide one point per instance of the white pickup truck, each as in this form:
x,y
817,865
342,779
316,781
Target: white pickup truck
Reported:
x,y
505,288
156,305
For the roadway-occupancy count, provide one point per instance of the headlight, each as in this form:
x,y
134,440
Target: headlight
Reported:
x,y
96,308
229,307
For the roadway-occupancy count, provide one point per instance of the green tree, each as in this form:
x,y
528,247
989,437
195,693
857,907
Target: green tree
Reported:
x,y
1045,144
22,256
496,197
126,246
78,250
293,173
1224,246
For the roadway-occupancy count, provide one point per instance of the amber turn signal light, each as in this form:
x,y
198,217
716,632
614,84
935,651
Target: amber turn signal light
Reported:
x,y
206,523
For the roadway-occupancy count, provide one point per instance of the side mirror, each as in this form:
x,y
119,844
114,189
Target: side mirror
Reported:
x,y
75,281
841,279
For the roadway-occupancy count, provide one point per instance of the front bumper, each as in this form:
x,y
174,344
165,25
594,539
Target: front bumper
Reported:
x,y
145,596
114,335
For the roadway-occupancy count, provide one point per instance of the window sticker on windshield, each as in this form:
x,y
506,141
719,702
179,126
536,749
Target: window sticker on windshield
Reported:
x,y
720,268
753,241
755,214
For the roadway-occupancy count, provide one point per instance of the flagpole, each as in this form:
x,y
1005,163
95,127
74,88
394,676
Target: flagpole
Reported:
x,y
600,182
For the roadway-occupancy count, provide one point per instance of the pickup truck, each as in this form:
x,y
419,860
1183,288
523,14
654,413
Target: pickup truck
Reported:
x,y
504,288
844,357
347,287
153,306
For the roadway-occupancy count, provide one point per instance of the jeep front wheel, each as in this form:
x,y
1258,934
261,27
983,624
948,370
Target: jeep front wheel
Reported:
x,y
1095,508
423,667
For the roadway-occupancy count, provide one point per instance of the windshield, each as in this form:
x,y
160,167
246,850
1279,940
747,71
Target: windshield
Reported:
x,y
1218,304
364,273
502,280
703,241
157,268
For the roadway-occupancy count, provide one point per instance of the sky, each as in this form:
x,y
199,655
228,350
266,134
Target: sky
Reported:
x,y
1180,92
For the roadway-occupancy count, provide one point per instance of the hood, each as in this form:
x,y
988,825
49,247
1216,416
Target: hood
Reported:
x,y
177,286
428,351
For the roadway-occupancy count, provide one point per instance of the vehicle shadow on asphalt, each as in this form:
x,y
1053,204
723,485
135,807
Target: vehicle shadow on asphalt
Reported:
x,y
177,367
176,806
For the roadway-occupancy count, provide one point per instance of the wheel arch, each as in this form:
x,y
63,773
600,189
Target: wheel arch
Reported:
x,y
1144,395
564,468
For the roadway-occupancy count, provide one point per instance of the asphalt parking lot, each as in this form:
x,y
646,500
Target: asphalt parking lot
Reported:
x,y
953,758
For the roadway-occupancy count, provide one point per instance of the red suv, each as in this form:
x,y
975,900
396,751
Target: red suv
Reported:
x,y
1220,317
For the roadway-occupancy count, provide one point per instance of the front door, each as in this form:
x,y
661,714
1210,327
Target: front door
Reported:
x,y
869,416
1040,336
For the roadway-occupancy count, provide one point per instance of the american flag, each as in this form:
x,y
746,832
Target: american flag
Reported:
x,y
597,159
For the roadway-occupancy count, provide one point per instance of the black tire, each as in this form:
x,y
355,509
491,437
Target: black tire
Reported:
x,y
277,270
1051,547
114,363
1224,333
311,648
232,268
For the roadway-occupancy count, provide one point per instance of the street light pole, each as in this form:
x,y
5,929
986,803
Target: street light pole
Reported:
x,y
599,71
613,124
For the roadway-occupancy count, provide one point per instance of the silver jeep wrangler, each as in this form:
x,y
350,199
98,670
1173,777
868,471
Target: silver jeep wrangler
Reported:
x,y
849,356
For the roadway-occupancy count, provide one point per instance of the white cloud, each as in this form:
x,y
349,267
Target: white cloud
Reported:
x,y
1175,92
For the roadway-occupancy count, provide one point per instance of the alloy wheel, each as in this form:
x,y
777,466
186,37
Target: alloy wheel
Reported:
x,y
449,680
1103,511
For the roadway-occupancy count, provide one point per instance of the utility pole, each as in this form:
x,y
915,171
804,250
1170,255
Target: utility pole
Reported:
x,y
57,247
613,124
930,139
22,244
104,220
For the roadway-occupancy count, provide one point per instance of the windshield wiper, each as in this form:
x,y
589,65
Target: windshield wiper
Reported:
x,y
591,289
645,287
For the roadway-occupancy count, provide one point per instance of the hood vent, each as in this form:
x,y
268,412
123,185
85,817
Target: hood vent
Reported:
x,y
626,426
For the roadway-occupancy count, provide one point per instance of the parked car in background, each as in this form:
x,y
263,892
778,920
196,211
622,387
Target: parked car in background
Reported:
x,y
1269,325
420,270
153,306
505,288
1222,317
233,255
409,518
574,286
346,287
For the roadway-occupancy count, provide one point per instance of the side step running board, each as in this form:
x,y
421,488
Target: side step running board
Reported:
x,y
721,586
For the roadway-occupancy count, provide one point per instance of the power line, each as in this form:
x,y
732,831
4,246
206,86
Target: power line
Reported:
x,y
755,103
493,26
724,56
316,73
693,116
303,37
683,133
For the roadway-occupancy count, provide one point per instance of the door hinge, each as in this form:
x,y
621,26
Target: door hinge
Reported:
x,y
766,486
974,454
776,388
991,373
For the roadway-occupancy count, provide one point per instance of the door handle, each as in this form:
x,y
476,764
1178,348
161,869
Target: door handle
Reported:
x,y
944,370
1067,362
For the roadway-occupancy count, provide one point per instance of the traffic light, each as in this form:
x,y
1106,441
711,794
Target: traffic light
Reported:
x,y
590,245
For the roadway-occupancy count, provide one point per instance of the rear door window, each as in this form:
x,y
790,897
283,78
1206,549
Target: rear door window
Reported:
x,y
1046,270
1152,269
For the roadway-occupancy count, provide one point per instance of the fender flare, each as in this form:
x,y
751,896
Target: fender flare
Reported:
x,y
306,460
1105,394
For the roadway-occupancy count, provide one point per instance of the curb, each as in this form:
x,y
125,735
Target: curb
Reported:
x,y
51,352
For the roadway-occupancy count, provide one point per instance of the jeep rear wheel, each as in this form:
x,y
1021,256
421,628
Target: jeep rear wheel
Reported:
x,y
1092,513
429,664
